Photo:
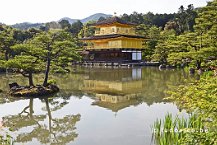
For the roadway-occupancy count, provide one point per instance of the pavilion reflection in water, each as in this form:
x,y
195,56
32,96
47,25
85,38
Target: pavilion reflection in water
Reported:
x,y
115,90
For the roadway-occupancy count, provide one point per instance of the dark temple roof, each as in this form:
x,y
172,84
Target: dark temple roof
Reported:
x,y
111,36
112,20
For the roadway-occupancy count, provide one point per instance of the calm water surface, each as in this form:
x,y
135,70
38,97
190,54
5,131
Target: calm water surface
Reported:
x,y
96,106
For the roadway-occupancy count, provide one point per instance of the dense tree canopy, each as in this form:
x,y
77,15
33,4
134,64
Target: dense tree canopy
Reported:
x,y
149,18
87,30
194,48
76,28
199,50
6,41
44,52
186,37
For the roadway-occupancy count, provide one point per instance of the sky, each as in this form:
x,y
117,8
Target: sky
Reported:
x,y
17,11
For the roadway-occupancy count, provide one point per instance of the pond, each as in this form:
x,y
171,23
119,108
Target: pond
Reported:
x,y
96,106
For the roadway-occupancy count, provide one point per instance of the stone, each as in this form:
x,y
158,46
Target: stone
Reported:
x,y
200,71
15,88
2,70
215,72
162,66
37,91
13,85
191,71
182,65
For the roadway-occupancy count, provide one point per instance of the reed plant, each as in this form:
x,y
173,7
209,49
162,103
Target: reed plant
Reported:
x,y
6,140
176,131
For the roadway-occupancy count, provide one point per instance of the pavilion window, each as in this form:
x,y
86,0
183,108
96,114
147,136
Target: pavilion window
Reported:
x,y
102,31
118,30
127,31
113,30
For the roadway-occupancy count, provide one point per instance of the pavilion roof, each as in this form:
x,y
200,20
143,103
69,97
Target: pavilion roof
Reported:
x,y
111,36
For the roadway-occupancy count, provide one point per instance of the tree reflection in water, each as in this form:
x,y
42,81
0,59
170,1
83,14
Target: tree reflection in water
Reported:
x,y
112,89
56,131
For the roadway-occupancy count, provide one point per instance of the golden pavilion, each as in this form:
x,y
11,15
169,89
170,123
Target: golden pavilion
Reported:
x,y
115,40
116,90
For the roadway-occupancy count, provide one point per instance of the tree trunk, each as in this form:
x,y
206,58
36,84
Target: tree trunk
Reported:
x,y
49,114
201,40
31,108
6,55
30,79
47,70
198,64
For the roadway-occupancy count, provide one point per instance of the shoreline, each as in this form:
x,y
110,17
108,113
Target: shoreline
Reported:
x,y
32,91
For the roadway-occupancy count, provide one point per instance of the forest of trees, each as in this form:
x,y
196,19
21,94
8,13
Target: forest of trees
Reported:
x,y
185,38
26,51
189,40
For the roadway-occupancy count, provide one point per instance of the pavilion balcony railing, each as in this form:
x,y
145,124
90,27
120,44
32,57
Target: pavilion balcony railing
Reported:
x,y
118,31
96,47
107,47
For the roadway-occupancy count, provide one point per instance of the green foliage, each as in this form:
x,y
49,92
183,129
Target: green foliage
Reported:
x,y
65,24
23,35
6,41
76,28
52,25
26,26
8,140
56,49
197,49
172,25
52,81
185,18
24,62
192,48
20,36
163,47
149,18
153,34
199,97
180,131
87,30
43,51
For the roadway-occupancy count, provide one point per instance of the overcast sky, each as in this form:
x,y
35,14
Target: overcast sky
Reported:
x,y
17,11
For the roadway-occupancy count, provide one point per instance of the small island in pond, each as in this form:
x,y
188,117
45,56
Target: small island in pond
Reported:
x,y
32,91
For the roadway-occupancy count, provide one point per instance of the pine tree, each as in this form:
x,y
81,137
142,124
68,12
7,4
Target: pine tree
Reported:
x,y
195,48
6,41
46,51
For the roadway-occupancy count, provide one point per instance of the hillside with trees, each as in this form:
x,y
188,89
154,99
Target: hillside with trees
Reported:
x,y
54,24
